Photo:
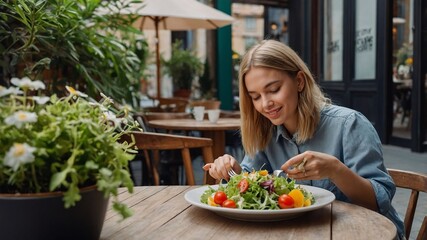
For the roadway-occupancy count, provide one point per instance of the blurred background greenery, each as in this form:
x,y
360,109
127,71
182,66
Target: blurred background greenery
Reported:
x,y
65,42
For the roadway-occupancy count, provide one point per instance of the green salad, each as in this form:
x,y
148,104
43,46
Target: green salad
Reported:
x,y
258,190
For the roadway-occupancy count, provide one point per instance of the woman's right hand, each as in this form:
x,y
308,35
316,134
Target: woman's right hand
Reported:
x,y
220,167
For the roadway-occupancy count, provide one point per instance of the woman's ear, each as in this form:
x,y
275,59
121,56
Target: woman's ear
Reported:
x,y
300,80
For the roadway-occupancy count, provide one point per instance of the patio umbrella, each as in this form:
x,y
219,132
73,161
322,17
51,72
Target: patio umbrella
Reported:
x,y
175,15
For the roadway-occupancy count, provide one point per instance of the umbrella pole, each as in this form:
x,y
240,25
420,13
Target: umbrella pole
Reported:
x,y
156,23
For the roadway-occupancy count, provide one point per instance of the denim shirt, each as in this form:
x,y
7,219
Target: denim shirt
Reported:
x,y
351,138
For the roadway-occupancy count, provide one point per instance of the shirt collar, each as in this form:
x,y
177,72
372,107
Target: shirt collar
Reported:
x,y
282,132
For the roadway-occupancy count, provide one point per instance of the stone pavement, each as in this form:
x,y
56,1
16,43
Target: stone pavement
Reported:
x,y
403,158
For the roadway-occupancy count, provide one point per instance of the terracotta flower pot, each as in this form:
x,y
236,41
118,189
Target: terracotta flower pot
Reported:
x,y
183,93
43,216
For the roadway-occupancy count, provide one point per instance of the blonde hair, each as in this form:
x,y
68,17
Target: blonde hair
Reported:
x,y
256,130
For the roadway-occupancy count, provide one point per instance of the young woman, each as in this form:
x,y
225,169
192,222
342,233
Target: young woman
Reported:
x,y
287,121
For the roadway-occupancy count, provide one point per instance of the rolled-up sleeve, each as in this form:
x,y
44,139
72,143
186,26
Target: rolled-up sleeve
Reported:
x,y
363,155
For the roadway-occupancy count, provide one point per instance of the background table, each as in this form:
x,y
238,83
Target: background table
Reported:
x,y
214,131
161,212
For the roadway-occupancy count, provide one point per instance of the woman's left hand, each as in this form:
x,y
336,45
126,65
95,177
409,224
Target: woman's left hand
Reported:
x,y
317,166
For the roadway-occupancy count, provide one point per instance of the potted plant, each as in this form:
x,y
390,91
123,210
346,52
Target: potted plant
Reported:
x,y
63,153
183,66
404,62
66,42
207,91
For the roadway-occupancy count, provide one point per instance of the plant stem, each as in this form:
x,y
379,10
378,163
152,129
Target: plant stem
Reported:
x,y
33,171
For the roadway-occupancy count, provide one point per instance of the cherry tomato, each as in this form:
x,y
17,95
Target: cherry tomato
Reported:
x,y
286,201
229,204
243,185
220,197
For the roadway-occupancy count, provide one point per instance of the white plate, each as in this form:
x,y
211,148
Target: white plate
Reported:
x,y
323,197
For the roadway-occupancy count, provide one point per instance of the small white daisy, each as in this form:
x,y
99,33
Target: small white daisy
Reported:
x,y
126,108
111,117
6,91
41,100
19,153
21,117
75,92
27,83
106,100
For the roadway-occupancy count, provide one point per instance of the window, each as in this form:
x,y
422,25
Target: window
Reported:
x,y
365,40
333,40
250,24
249,42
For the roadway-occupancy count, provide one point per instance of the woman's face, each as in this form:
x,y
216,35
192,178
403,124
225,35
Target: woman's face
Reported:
x,y
274,94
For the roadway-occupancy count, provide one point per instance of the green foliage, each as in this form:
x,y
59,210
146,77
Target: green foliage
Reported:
x,y
63,144
183,66
206,82
68,41
236,59
403,54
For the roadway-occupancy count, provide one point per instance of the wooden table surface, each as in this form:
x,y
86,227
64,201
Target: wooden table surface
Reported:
x,y
214,131
161,212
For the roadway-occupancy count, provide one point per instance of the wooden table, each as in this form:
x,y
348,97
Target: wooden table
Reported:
x,y
214,131
161,212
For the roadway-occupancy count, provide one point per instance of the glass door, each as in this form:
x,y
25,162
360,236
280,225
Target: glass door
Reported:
x,y
403,59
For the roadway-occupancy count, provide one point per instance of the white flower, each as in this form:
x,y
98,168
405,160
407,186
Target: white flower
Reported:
x,y
111,117
26,83
6,91
19,153
127,108
403,69
106,100
75,92
41,100
98,105
21,117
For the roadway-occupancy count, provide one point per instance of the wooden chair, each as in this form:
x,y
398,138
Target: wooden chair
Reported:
x,y
172,159
174,104
230,114
163,115
416,182
148,141
208,104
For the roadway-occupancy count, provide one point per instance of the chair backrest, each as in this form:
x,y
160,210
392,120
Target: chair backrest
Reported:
x,y
174,104
208,104
417,182
163,115
157,141
140,119
230,114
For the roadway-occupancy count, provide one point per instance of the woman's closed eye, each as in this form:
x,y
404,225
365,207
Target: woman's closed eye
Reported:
x,y
274,90
255,97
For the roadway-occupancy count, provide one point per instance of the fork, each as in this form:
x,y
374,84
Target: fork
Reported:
x,y
276,173
299,166
231,172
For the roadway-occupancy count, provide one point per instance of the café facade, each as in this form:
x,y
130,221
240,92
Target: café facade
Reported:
x,y
369,55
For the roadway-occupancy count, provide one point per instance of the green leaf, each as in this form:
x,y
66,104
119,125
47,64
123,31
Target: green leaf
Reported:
x,y
57,179
91,165
72,196
106,172
122,209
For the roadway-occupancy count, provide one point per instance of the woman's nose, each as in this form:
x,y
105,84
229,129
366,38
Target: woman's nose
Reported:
x,y
266,102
